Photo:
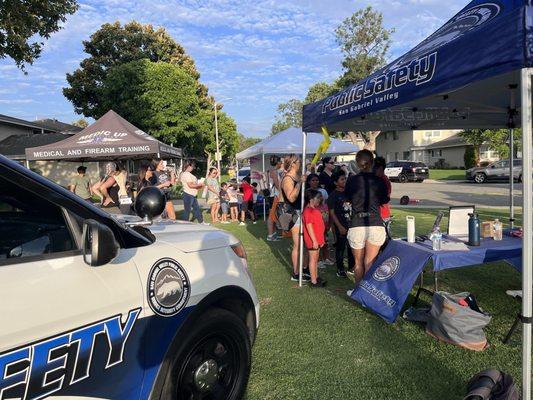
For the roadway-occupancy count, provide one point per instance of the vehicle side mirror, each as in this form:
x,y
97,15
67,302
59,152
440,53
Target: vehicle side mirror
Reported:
x,y
99,244
493,166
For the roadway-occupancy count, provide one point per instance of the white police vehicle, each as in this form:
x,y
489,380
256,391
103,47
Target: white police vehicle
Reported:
x,y
91,308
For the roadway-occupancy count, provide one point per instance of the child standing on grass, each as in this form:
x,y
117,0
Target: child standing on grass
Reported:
x,y
340,213
314,229
224,202
233,195
247,200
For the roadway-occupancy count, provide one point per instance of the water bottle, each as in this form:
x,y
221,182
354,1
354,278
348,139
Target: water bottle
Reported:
x,y
436,239
474,231
498,230
410,228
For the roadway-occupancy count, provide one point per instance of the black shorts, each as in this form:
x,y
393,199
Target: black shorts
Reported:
x,y
234,204
248,206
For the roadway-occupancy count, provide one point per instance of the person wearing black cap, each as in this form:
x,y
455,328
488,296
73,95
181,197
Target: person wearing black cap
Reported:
x,y
81,184
325,176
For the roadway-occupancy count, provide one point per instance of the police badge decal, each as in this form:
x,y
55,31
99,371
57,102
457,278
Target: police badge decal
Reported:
x,y
168,288
387,269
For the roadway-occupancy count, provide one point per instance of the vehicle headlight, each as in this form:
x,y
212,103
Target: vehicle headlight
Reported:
x,y
239,250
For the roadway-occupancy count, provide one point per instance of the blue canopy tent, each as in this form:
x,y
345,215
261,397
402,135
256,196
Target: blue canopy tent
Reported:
x,y
474,72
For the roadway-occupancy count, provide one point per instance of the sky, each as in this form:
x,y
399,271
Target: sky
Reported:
x,y
252,54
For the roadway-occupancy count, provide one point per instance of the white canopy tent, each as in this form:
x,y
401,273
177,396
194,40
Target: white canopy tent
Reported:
x,y
290,141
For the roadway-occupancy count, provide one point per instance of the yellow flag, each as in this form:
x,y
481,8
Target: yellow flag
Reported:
x,y
324,145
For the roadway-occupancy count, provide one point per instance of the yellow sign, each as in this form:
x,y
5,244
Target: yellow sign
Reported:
x,y
324,145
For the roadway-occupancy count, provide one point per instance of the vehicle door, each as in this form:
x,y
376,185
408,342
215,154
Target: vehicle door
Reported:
x,y
66,328
494,170
393,169
517,168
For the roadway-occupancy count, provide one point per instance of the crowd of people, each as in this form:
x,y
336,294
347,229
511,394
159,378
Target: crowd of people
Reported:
x,y
349,208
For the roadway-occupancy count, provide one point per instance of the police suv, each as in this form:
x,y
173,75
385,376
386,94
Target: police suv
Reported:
x,y
95,308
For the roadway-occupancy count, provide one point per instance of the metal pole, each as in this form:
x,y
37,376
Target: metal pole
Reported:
x,y
527,237
237,172
301,233
264,199
27,164
217,156
511,178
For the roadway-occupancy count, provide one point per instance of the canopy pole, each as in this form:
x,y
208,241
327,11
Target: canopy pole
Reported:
x,y
237,172
511,125
527,237
27,164
264,199
301,233
511,178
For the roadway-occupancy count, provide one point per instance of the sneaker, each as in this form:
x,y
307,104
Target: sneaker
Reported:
x,y
273,238
322,265
205,223
296,278
255,222
305,271
349,293
341,274
327,261
319,283
242,224
350,272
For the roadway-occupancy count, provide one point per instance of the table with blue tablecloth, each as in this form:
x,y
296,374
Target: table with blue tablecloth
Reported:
x,y
387,284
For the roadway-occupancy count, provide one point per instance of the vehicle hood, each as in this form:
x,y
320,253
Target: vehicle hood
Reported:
x,y
186,236
475,169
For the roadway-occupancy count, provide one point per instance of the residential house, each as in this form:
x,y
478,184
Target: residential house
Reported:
x,y
436,148
17,134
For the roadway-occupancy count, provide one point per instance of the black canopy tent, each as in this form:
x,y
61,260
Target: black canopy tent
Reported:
x,y
474,72
110,137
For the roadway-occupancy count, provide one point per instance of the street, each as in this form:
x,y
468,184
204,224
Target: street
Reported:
x,y
454,193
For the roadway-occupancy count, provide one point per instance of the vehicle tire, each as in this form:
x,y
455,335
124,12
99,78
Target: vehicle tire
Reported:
x,y
402,178
213,361
420,180
520,178
480,177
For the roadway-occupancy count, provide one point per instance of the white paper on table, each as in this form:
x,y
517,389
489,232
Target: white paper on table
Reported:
x,y
453,246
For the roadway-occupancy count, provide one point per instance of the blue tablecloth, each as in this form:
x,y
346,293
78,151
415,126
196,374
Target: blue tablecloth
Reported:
x,y
387,284
508,249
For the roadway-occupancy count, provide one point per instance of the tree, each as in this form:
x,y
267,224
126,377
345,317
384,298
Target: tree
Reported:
x,y
289,114
245,142
470,157
319,91
113,45
161,99
81,123
23,25
364,43
476,137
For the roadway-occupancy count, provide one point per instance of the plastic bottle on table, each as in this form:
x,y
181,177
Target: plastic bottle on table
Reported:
x,y
436,239
498,230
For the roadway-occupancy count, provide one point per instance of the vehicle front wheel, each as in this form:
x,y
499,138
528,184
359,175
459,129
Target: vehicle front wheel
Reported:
x,y
480,178
213,362
402,178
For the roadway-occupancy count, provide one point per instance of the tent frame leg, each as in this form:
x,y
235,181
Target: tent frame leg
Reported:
x,y
301,231
264,199
527,223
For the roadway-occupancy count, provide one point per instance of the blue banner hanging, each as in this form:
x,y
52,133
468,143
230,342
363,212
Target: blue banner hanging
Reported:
x,y
387,284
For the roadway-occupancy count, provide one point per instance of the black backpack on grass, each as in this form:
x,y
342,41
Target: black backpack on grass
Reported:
x,y
492,384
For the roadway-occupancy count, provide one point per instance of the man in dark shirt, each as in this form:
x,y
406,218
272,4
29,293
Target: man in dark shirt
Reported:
x,y
340,214
325,176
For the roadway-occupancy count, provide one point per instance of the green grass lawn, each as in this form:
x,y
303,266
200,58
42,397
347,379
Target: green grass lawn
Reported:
x,y
447,174
318,344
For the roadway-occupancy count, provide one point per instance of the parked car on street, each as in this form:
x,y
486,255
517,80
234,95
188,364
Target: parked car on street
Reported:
x,y
243,173
407,171
496,171
102,307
